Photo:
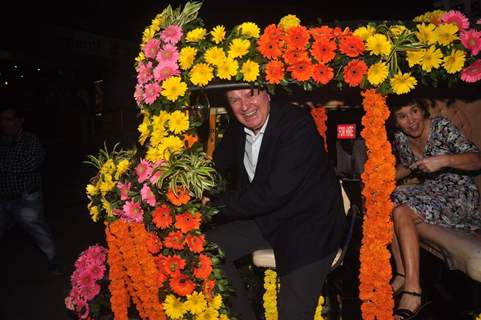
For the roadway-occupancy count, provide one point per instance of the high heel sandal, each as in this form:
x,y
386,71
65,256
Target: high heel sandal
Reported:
x,y
400,289
407,314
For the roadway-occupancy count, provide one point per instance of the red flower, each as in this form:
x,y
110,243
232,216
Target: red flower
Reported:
x,y
162,217
195,243
354,71
297,37
295,55
301,71
323,50
182,285
351,46
174,240
274,71
204,268
188,221
322,74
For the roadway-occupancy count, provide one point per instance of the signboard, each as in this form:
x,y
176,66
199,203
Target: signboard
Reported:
x,y
346,131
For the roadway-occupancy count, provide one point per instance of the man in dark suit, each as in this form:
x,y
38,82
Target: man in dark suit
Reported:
x,y
282,194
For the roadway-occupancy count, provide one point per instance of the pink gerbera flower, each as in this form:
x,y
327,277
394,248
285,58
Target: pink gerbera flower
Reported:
x,y
472,73
456,17
124,189
147,195
144,72
171,34
139,94
89,292
165,70
478,22
151,48
168,53
151,92
133,211
143,171
471,39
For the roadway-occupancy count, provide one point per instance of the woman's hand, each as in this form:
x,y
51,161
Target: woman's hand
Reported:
x,y
430,164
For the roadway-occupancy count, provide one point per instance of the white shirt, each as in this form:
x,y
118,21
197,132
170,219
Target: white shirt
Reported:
x,y
252,148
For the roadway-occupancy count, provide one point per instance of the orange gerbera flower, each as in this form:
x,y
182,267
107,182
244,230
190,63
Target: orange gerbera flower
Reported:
x,y
273,32
297,37
153,244
195,243
354,71
208,287
174,240
322,32
301,71
269,48
352,46
161,278
162,217
321,73
190,139
324,50
188,221
338,32
295,55
274,71
171,265
182,285
204,268
181,198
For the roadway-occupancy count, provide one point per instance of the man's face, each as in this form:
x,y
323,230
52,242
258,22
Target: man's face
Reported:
x,y
250,107
9,124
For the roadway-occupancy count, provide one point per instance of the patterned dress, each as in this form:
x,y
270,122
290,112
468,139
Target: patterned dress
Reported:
x,y
448,197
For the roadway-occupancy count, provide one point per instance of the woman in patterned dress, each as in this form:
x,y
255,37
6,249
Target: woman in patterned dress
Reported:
x,y
436,152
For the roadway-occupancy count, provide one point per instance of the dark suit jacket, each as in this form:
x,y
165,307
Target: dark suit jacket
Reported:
x,y
295,197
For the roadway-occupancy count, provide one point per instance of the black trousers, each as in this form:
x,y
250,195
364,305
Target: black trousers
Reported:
x,y
299,290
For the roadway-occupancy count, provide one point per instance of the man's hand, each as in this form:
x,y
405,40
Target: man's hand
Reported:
x,y
431,164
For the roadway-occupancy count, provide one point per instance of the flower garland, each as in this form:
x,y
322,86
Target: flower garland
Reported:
x,y
320,117
378,183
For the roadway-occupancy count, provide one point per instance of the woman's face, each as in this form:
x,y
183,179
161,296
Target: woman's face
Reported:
x,y
410,119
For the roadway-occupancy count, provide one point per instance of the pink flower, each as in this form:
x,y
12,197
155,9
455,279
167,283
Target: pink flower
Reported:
x,y
155,177
471,39
151,48
69,303
90,291
144,72
143,170
151,93
97,271
478,22
117,212
85,279
456,17
472,73
171,34
168,53
124,189
133,211
148,196
138,94
165,70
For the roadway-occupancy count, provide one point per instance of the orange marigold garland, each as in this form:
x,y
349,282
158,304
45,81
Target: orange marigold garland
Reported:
x,y
320,117
378,184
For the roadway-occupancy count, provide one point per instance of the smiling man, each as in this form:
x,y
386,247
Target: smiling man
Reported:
x,y
282,194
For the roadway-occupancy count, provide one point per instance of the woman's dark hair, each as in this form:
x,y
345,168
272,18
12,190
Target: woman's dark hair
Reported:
x,y
396,102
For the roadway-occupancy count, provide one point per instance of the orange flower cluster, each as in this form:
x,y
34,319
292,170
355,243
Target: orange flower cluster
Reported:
x,y
133,271
308,54
182,196
320,117
378,184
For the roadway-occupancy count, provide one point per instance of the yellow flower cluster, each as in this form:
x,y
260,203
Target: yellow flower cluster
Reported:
x,y
195,304
270,294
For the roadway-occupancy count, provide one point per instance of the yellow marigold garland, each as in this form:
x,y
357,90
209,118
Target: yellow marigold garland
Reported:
x,y
378,184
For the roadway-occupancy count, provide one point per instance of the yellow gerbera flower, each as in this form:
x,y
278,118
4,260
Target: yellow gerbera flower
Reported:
x,y
227,68
208,314
94,212
414,57
364,32
186,57
238,48
250,70
173,88
196,35
289,21
379,44
446,33
178,122
377,73
154,153
159,121
216,303
397,30
107,206
403,83
218,34
201,74
106,184
122,166
170,145
432,58
157,137
108,167
196,303
91,190
454,62
427,33
214,55
249,29
144,131
140,57
173,307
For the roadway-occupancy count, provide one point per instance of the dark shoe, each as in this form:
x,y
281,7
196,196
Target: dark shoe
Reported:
x,y
407,314
400,289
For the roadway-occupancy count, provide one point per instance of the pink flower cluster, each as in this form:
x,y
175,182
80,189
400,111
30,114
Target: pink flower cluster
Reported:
x,y
89,268
160,63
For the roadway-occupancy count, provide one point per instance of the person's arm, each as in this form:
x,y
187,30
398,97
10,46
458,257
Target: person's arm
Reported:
x,y
466,161
402,172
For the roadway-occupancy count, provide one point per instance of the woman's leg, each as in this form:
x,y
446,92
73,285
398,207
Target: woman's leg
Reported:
x,y
398,281
405,221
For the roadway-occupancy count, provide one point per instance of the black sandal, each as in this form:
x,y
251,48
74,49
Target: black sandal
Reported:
x,y
400,289
407,314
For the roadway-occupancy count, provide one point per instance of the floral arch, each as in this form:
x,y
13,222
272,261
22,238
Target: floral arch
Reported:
x,y
149,199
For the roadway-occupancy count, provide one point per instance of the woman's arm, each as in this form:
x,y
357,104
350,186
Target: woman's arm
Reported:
x,y
469,161
402,172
